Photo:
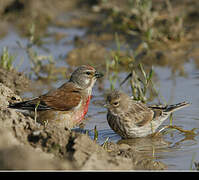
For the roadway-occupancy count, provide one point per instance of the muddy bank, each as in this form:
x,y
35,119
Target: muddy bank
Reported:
x,y
25,145
22,13
162,33
16,81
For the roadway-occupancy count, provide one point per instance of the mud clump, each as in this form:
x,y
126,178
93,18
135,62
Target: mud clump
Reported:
x,y
16,81
25,145
17,156
92,53
22,12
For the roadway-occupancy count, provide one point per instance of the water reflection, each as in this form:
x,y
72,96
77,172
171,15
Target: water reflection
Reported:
x,y
148,145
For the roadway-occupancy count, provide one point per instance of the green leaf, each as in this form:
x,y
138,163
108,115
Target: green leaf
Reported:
x,y
95,133
150,74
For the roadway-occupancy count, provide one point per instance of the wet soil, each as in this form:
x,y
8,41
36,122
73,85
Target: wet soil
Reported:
x,y
16,81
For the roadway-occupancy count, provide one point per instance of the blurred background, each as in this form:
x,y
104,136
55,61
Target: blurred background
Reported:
x,y
146,48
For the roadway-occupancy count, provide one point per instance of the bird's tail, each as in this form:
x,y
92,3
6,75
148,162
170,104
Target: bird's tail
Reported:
x,y
169,108
18,105
31,105
175,107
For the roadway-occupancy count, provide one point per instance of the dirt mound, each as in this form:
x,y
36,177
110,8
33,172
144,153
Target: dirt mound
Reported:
x,y
16,81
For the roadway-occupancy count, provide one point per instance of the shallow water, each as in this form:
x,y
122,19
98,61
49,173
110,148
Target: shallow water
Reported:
x,y
180,151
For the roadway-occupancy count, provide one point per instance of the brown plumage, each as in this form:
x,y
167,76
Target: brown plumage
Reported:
x,y
132,119
63,99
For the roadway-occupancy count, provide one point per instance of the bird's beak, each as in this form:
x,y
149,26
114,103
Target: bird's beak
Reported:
x,y
98,74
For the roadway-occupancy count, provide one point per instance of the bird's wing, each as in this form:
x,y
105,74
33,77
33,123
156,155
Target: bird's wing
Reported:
x,y
140,113
63,99
159,110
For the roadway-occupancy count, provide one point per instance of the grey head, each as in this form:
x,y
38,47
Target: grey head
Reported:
x,y
85,76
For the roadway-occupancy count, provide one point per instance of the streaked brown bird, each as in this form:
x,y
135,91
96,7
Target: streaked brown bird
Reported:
x,y
68,104
132,119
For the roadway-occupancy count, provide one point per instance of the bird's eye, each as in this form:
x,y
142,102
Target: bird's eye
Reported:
x,y
115,103
88,73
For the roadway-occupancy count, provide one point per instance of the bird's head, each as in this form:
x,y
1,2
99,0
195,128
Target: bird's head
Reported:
x,y
85,76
